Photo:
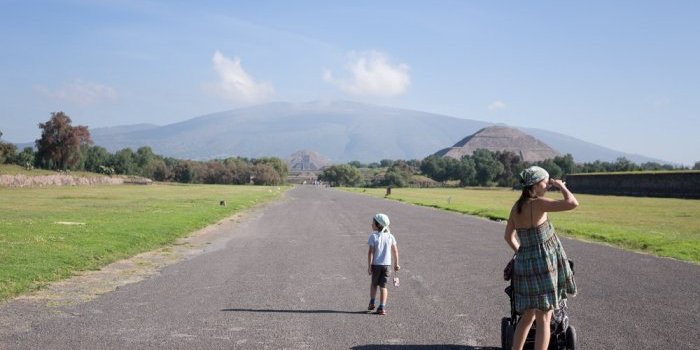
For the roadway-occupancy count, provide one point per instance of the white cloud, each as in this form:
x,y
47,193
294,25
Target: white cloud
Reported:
x,y
236,84
372,74
497,106
81,93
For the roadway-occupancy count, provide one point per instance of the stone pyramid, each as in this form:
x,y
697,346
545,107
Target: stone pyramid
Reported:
x,y
306,160
501,138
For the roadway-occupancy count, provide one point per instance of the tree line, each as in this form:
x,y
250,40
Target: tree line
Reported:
x,y
482,168
65,147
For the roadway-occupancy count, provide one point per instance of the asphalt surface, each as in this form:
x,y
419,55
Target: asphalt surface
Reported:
x,y
292,275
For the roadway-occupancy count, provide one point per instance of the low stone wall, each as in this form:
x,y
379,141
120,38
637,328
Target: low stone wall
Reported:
x,y
66,180
681,184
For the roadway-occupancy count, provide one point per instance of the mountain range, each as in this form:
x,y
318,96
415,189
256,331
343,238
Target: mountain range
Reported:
x,y
341,131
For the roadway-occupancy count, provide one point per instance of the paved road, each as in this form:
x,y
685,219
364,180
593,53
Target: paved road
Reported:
x,y
292,275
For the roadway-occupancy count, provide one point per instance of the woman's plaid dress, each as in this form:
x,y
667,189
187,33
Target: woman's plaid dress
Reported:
x,y
541,274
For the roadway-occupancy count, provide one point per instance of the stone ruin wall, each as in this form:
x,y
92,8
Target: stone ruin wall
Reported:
x,y
67,180
672,184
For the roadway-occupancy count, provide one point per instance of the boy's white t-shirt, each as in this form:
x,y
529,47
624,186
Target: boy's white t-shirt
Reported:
x,y
381,243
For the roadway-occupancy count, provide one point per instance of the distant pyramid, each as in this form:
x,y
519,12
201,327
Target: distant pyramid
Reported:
x,y
501,138
306,160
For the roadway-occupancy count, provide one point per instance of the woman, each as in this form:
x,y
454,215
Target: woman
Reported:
x,y
541,274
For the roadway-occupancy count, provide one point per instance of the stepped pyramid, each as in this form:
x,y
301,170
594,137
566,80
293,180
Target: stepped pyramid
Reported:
x,y
307,161
501,138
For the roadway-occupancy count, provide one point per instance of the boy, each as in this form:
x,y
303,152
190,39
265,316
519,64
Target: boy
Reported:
x,y
382,246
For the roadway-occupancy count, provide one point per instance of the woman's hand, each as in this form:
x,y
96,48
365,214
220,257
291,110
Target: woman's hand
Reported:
x,y
557,183
569,202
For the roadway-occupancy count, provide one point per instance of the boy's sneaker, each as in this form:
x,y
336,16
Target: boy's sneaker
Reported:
x,y
381,311
370,307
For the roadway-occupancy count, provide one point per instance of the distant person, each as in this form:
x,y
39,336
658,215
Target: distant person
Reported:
x,y
541,273
382,247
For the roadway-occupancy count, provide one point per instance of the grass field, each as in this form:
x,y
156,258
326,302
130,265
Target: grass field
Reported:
x,y
49,233
660,226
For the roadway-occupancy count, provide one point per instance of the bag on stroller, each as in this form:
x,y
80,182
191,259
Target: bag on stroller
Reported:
x,y
563,335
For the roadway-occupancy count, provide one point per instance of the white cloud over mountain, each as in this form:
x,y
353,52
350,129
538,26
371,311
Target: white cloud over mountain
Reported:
x,y
371,74
236,84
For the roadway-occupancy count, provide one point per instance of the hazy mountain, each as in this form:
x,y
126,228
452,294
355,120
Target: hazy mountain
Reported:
x,y
585,152
121,129
342,131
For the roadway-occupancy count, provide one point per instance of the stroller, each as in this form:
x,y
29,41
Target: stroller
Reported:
x,y
563,335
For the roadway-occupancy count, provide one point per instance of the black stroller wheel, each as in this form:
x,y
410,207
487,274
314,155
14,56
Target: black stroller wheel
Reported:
x,y
510,332
504,325
571,338
506,333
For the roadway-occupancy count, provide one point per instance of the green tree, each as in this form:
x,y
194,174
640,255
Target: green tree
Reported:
x,y
385,163
512,165
96,156
279,165
357,164
655,166
8,152
594,167
396,178
398,175
157,170
696,166
552,168
183,172
624,164
465,171
25,158
487,167
124,162
265,174
414,163
60,143
437,167
240,170
107,170
143,156
566,163
214,172
342,175
431,167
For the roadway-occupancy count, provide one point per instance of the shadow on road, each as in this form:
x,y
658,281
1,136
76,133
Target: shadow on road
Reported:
x,y
422,347
297,311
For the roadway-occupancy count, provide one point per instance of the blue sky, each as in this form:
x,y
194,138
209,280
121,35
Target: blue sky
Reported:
x,y
621,74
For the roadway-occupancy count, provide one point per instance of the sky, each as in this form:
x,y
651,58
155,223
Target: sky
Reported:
x,y
621,74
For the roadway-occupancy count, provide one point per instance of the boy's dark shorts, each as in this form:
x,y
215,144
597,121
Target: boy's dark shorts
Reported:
x,y
380,275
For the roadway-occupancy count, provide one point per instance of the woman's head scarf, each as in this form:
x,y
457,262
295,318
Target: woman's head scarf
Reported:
x,y
532,175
